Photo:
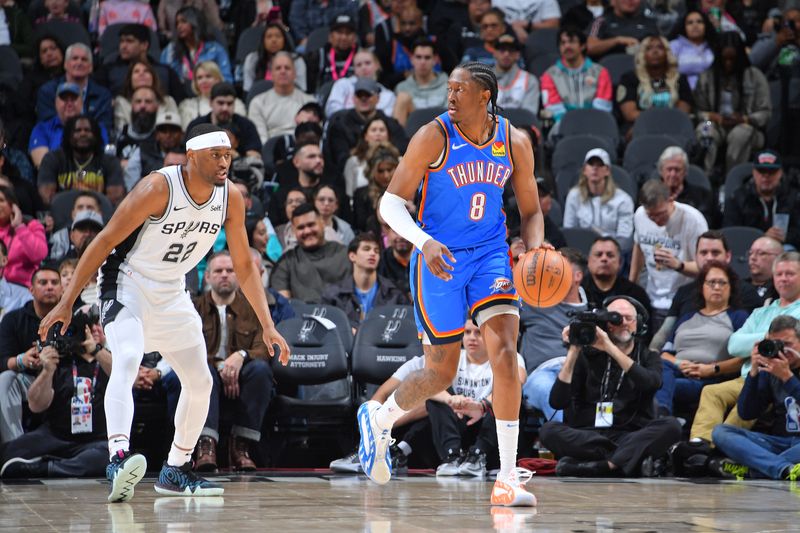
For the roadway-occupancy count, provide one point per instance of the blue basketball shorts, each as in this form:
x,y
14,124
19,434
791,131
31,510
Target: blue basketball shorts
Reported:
x,y
482,278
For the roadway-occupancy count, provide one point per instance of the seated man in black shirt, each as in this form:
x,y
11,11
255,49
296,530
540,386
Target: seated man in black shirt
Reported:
x,y
223,98
760,258
621,26
69,391
711,246
607,391
605,279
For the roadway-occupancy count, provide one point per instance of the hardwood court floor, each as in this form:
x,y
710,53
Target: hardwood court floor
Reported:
x,y
316,502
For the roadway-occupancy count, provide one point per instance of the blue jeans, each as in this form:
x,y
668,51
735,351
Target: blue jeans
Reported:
x,y
537,391
678,389
255,393
768,454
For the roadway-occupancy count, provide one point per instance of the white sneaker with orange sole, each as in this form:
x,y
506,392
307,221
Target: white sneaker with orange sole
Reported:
x,y
509,490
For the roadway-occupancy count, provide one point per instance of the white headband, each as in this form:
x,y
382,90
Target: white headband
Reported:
x,y
213,139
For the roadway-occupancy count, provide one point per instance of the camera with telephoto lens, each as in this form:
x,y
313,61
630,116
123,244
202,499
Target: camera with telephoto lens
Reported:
x,y
770,348
582,327
71,342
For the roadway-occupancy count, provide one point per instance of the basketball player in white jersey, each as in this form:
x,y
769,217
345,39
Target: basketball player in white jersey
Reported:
x,y
162,229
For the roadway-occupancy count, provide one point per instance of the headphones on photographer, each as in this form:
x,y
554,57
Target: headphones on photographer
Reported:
x,y
642,316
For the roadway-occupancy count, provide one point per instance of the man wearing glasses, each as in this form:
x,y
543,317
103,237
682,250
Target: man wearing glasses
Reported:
x,y
762,254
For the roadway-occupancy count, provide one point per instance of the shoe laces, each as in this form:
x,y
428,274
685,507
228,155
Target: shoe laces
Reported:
x,y
205,446
519,476
741,470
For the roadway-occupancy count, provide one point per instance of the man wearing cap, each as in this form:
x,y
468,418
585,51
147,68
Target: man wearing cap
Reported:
x,y
46,135
394,53
575,81
305,16
77,69
515,87
86,225
273,112
333,61
766,202
344,128
223,99
61,242
134,45
150,154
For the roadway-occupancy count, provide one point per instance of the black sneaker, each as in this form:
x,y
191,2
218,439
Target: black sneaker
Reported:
x,y
571,467
399,460
449,466
474,464
19,468
725,468
654,466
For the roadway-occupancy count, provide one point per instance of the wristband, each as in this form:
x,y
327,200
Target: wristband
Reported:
x,y
20,363
680,267
244,354
487,407
96,349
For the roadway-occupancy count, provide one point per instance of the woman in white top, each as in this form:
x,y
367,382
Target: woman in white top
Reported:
x,y
375,132
257,64
206,75
365,65
597,204
140,74
327,203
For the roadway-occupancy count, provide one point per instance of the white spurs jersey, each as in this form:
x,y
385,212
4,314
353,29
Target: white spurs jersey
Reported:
x,y
166,248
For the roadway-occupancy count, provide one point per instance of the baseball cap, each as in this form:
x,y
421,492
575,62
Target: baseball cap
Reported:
x,y
68,88
343,21
367,85
87,217
168,118
508,40
767,160
599,153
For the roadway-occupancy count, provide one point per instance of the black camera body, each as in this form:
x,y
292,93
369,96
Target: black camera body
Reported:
x,y
582,328
770,348
71,342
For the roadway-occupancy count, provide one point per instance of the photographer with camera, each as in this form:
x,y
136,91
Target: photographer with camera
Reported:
x,y
69,392
771,382
606,388
781,46
18,335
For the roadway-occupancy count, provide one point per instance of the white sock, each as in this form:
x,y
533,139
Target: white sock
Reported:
x,y
388,413
120,442
507,435
404,447
178,457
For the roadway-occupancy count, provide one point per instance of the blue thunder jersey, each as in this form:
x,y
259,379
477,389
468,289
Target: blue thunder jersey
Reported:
x,y
461,202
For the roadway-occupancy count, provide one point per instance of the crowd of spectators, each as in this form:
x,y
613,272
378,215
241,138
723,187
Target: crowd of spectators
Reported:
x,y
695,250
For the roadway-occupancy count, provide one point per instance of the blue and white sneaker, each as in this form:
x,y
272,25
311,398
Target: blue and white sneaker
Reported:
x,y
373,448
125,470
182,481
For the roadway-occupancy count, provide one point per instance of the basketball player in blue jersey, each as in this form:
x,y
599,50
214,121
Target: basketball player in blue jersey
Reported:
x,y
460,163
162,229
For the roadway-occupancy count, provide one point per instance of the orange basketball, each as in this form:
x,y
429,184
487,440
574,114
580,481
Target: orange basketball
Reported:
x,y
542,277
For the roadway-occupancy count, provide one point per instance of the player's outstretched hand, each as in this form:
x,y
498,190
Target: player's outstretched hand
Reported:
x,y
60,313
271,336
435,254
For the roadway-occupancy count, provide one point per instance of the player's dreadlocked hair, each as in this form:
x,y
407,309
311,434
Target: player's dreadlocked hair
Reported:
x,y
485,76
